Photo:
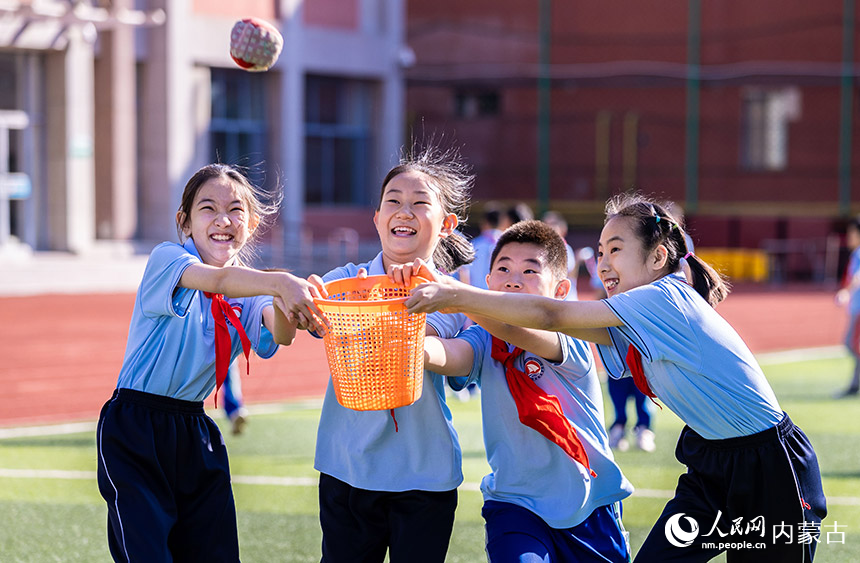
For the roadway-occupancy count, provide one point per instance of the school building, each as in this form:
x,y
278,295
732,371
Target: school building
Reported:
x,y
107,107
744,113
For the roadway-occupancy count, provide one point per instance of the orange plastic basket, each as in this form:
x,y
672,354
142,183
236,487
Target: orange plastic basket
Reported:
x,y
375,348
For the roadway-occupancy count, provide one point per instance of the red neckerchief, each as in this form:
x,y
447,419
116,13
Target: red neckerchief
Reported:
x,y
222,312
634,362
536,408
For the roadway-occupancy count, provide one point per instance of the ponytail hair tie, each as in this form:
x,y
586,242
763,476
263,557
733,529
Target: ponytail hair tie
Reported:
x,y
656,218
687,255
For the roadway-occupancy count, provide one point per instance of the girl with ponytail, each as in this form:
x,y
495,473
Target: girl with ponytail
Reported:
x,y
746,460
388,480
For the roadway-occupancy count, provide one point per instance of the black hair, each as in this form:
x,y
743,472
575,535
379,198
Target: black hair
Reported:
x,y
654,225
542,235
519,212
453,182
492,214
262,205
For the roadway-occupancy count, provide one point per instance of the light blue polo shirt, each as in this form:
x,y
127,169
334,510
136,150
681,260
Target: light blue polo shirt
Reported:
x,y
694,361
851,271
528,470
361,448
171,338
484,244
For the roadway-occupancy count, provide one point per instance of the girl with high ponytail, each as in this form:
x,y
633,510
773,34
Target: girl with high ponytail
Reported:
x,y
746,460
388,480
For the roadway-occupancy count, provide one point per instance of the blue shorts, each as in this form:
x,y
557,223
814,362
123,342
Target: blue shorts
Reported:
x,y
518,535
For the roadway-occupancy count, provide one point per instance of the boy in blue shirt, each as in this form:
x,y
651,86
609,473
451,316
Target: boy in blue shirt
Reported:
x,y
542,498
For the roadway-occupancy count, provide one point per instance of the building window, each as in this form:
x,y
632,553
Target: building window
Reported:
x,y
338,140
469,104
238,131
764,127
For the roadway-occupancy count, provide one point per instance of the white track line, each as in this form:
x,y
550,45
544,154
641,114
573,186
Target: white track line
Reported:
x,y
81,427
274,481
49,430
801,355
765,359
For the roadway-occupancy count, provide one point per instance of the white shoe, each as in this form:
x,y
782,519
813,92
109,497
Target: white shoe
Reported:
x,y
617,440
239,421
644,439
463,395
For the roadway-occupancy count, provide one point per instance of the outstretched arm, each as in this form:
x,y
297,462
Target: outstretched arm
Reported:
x,y
542,343
283,330
539,342
530,311
843,296
448,356
293,295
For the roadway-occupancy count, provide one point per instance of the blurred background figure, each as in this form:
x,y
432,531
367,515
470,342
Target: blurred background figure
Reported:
x,y
620,390
557,221
231,396
587,258
476,273
849,294
517,212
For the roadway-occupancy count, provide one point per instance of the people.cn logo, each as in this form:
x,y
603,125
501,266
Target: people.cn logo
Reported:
x,y
677,535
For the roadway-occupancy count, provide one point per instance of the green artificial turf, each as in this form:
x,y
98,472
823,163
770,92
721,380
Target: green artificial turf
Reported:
x,y
59,516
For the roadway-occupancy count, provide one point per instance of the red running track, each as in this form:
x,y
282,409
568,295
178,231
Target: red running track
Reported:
x,y
60,354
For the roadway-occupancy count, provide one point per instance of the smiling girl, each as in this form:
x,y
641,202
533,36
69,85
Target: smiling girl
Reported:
x,y
388,480
162,462
749,468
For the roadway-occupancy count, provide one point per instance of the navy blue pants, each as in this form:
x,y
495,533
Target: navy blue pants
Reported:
x,y
231,391
756,489
517,535
360,525
163,471
620,390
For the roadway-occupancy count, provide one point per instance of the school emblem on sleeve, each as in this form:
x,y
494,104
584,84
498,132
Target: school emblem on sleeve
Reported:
x,y
237,309
534,369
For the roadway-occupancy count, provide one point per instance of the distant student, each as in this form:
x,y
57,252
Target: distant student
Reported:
x,y
162,463
388,480
234,404
746,460
849,294
476,272
519,211
542,413
557,221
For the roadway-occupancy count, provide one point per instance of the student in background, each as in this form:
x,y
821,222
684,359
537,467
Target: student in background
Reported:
x,y
476,273
849,295
555,220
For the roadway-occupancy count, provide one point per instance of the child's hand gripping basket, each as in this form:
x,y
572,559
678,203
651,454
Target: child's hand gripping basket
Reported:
x,y
375,348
